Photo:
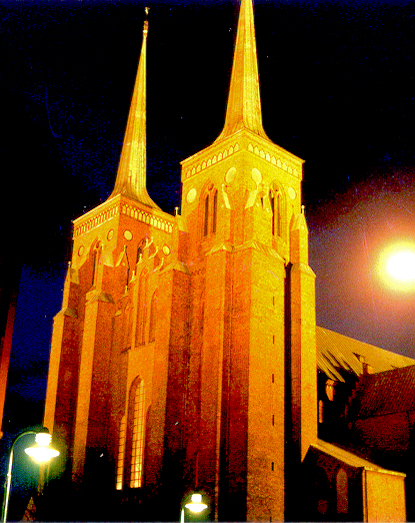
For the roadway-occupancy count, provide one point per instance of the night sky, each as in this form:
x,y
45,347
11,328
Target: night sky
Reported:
x,y
337,90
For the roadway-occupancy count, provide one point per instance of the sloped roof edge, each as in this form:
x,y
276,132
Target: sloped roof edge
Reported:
x,y
351,459
337,354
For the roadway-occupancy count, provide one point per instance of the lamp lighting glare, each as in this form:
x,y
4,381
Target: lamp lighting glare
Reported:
x,y
196,504
396,266
41,452
401,266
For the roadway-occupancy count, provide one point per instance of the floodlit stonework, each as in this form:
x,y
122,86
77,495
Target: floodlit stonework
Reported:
x,y
184,356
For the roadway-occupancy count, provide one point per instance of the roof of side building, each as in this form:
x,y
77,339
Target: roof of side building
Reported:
x,y
338,355
388,392
349,458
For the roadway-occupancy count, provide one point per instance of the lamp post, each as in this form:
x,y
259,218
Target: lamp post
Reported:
x,y
194,505
41,452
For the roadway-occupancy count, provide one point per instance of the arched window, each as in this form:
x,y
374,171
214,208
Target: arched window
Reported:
x,y
278,227
153,318
121,453
272,200
139,254
140,249
137,398
206,219
276,202
342,492
142,309
127,327
95,260
322,493
215,212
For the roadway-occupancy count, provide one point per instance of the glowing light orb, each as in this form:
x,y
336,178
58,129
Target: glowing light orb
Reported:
x,y
196,504
397,267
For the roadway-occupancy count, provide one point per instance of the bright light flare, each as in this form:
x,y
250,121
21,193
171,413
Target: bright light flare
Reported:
x,y
397,267
196,504
41,452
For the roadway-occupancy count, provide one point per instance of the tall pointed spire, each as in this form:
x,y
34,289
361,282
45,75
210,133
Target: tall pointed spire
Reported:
x,y
244,103
131,176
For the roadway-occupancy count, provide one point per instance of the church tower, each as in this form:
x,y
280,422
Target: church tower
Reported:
x,y
253,302
184,354
115,340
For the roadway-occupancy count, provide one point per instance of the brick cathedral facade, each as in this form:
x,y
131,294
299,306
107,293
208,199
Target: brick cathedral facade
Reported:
x,y
184,356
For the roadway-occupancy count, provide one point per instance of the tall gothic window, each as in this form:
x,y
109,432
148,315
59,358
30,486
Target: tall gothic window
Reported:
x,y
139,254
272,200
140,250
95,260
342,490
206,219
142,309
215,212
275,200
127,327
137,440
210,212
153,318
121,453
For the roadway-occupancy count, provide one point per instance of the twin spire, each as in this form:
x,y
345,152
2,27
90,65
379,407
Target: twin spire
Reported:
x,y
243,110
244,102
131,176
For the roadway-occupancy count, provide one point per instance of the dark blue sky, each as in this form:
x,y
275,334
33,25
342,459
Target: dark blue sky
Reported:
x,y
337,90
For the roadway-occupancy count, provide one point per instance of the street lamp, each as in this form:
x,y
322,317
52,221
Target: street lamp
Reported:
x,y
396,266
41,452
194,505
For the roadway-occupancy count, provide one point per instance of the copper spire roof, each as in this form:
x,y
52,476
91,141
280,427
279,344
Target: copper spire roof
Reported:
x,y
244,103
131,176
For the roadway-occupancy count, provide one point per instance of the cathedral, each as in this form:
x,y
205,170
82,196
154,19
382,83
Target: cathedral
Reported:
x,y
186,357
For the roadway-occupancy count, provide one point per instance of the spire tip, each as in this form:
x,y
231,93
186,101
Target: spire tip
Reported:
x,y
145,30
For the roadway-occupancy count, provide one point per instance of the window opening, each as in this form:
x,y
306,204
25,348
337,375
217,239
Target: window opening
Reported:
x,y
142,309
121,453
206,223
275,200
153,318
95,260
342,490
215,211
139,254
278,214
137,450
272,200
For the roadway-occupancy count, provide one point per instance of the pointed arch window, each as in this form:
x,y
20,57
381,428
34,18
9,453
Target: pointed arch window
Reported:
x,y
210,211
153,318
215,212
121,453
127,327
142,308
139,254
137,439
276,201
206,217
278,217
95,260
342,491
140,250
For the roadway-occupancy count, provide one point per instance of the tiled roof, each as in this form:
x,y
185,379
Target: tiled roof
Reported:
x,y
385,393
348,458
338,355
